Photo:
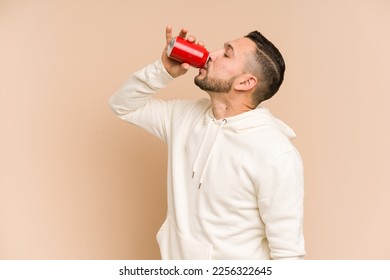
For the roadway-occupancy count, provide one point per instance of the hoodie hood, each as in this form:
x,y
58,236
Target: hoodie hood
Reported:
x,y
258,117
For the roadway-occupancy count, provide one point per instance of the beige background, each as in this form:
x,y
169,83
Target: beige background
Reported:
x,y
78,183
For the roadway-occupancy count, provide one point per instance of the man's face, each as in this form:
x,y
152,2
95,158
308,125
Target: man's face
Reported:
x,y
225,65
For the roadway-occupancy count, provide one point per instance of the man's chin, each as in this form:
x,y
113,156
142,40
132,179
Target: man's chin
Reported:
x,y
198,80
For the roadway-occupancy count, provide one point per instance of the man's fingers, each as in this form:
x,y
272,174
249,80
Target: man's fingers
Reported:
x,y
191,39
168,34
183,32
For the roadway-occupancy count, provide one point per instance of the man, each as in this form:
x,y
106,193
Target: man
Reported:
x,y
235,181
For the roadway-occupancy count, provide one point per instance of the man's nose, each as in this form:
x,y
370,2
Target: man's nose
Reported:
x,y
213,55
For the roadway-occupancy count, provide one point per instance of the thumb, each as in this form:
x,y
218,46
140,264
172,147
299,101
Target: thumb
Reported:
x,y
184,68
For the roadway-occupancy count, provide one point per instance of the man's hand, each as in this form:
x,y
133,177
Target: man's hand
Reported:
x,y
175,68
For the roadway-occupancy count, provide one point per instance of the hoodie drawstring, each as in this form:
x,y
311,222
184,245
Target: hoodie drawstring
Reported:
x,y
201,148
224,121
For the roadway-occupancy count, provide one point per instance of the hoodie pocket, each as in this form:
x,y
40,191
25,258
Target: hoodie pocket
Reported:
x,y
177,246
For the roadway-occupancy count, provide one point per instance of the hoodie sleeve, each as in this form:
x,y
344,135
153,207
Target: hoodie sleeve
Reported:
x,y
281,206
133,102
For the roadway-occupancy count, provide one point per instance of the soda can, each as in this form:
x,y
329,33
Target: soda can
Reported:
x,y
193,54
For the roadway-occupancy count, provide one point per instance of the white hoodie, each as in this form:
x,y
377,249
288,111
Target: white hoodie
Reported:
x,y
235,186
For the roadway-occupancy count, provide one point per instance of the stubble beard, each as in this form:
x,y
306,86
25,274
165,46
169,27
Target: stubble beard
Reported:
x,y
214,85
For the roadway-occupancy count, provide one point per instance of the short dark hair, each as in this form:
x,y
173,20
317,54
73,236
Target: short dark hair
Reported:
x,y
269,67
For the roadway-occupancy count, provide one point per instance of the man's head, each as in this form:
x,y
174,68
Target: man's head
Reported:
x,y
268,66
249,64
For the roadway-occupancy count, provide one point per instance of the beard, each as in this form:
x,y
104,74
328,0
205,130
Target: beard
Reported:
x,y
214,85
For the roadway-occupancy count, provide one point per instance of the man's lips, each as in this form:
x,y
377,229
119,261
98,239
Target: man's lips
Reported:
x,y
202,70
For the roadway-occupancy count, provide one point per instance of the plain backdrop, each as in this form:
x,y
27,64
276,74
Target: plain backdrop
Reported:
x,y
78,183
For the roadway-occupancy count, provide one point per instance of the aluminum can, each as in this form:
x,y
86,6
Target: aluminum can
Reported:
x,y
193,54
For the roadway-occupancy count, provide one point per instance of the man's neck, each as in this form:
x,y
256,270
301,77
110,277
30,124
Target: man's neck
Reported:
x,y
228,105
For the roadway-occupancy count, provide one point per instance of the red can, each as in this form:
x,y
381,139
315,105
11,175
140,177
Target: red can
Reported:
x,y
193,54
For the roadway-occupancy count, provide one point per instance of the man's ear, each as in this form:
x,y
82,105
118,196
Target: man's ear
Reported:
x,y
245,82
